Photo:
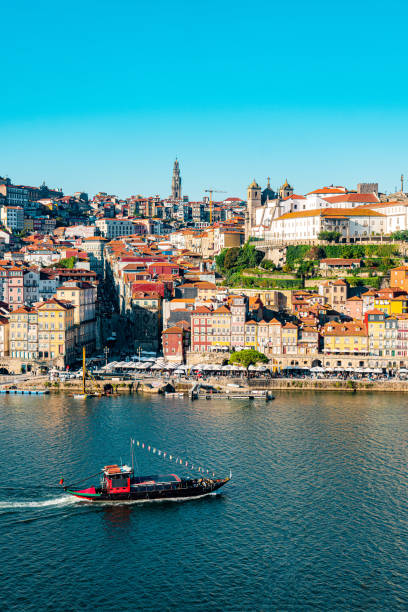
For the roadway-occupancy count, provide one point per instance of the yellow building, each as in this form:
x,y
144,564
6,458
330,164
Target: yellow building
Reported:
x,y
23,333
399,305
289,339
56,335
383,304
376,331
83,296
392,306
348,338
221,328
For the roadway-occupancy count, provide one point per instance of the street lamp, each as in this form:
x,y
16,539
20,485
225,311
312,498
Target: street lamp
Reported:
x,y
106,351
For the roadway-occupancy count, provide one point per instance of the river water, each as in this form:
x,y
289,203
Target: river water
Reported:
x,y
316,516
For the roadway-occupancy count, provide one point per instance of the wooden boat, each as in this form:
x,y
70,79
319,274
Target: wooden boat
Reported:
x,y
119,484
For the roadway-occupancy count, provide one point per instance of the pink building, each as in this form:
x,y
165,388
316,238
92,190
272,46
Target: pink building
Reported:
x,y
13,288
354,307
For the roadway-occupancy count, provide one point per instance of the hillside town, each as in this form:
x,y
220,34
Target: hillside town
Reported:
x,y
315,282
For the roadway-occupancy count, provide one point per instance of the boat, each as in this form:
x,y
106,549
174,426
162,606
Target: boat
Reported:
x,y
119,484
84,395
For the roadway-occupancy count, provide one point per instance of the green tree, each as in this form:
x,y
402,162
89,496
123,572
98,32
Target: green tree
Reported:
x,y
231,258
400,235
329,236
247,357
66,263
305,269
219,260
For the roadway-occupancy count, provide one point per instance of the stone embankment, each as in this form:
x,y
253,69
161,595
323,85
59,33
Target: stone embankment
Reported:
x,y
160,386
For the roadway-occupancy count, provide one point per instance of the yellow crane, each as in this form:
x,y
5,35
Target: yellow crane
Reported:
x,y
211,191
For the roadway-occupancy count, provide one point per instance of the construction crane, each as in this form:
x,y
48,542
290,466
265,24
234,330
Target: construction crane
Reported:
x,y
211,191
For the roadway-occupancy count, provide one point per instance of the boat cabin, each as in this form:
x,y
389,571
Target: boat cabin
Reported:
x,y
116,479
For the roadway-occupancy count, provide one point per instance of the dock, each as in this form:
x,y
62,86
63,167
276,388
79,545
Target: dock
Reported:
x,y
24,391
249,395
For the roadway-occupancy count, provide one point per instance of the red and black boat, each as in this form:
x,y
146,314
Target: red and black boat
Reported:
x,y
119,484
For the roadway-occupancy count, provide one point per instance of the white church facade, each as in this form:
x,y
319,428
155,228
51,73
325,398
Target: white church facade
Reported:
x,y
292,217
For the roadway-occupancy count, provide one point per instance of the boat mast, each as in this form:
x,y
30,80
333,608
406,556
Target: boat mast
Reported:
x,y
83,369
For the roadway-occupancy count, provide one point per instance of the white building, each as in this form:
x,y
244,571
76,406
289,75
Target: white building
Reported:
x,y
307,224
12,217
114,228
95,246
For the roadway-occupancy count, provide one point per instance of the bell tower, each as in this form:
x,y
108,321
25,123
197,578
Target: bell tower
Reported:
x,y
253,202
176,182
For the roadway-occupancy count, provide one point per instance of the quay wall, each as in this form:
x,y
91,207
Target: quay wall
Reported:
x,y
282,384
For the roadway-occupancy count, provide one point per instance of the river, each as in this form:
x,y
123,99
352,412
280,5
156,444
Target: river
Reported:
x,y
315,517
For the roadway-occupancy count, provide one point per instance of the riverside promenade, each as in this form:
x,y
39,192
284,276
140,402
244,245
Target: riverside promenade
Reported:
x,y
160,385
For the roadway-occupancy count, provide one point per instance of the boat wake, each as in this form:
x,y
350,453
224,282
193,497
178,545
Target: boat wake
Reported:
x,y
46,503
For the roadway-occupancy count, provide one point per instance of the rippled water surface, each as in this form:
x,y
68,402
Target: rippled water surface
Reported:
x,y
316,516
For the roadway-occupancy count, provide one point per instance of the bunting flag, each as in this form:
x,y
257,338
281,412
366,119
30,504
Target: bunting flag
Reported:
x,y
178,460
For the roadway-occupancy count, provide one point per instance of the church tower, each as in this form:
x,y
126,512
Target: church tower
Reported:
x,y
253,202
176,182
286,190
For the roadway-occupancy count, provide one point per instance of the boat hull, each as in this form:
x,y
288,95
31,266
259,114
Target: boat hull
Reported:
x,y
159,494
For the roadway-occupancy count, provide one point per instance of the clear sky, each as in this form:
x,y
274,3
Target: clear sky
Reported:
x,y
102,96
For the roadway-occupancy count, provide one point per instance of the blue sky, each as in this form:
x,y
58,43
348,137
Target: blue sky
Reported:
x,y
100,96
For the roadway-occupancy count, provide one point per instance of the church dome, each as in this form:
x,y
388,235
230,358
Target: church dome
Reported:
x,y
268,193
254,185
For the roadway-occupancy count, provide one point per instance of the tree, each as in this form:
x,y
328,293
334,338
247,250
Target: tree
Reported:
x,y
316,252
247,357
66,263
329,236
219,260
305,269
400,235
231,258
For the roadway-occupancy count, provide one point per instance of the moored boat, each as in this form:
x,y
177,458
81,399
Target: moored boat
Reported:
x,y
119,484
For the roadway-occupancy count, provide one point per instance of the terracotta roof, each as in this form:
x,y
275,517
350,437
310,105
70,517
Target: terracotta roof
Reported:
x,y
374,311
173,330
339,261
202,310
222,310
333,212
332,190
353,197
353,328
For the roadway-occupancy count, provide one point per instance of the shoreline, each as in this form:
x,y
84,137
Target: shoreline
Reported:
x,y
145,387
